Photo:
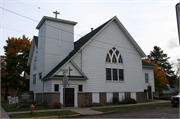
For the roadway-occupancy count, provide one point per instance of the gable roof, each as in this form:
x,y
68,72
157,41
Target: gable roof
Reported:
x,y
33,44
78,45
147,65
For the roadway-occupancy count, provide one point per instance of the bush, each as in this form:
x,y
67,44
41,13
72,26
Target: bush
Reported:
x,y
133,101
128,100
115,100
57,105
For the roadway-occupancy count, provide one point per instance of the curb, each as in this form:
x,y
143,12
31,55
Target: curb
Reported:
x,y
59,116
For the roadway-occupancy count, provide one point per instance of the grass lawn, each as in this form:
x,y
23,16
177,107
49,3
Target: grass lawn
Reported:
x,y
134,107
42,114
23,106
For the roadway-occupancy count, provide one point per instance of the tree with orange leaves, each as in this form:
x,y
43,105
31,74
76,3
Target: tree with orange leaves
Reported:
x,y
16,56
160,78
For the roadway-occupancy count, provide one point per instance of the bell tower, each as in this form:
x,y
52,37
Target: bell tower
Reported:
x,y
55,41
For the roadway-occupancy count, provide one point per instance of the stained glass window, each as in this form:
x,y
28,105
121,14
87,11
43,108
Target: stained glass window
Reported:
x,y
110,51
108,58
114,74
114,58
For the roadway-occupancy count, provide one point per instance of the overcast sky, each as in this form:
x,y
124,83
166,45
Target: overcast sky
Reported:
x,y
150,23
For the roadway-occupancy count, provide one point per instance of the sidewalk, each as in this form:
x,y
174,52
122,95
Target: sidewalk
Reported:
x,y
4,114
82,111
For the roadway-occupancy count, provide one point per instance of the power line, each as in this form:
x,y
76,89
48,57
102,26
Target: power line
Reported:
x,y
19,14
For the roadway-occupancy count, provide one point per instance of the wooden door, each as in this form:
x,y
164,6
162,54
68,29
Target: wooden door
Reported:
x,y
149,92
69,97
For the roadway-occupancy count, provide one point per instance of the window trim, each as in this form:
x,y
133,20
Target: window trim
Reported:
x,y
147,77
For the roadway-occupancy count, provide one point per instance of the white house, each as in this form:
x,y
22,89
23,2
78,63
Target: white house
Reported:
x,y
105,63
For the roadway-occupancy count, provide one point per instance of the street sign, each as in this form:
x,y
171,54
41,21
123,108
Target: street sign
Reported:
x,y
65,81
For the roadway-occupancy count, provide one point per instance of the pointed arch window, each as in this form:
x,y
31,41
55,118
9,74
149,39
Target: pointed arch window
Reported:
x,y
115,58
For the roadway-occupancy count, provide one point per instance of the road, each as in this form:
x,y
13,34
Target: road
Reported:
x,y
161,112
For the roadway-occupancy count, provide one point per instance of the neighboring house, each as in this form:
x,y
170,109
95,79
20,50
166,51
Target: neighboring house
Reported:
x,y
172,90
103,64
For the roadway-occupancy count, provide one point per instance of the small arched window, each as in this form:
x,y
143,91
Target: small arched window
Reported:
x,y
114,56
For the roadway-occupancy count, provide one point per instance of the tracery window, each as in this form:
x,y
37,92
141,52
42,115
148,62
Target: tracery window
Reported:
x,y
114,66
114,56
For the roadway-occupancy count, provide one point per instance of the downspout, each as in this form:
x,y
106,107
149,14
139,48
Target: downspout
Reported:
x,y
81,59
43,93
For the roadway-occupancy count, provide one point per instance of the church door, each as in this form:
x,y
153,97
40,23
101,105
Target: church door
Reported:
x,y
69,97
149,92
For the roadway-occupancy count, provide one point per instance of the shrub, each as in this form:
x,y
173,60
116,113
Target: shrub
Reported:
x,y
115,100
128,100
133,101
57,105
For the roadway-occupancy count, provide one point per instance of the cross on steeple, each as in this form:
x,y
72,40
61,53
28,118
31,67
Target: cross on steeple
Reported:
x,y
56,13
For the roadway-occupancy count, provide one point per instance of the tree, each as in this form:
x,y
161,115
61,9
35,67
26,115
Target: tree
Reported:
x,y
158,57
160,78
16,56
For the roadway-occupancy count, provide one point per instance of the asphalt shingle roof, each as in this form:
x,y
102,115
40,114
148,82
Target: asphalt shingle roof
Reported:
x,y
146,64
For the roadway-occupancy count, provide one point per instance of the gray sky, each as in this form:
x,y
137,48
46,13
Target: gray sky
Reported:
x,y
150,22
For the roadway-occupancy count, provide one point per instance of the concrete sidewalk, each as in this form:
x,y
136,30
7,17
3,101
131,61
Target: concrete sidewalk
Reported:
x,y
83,111
4,114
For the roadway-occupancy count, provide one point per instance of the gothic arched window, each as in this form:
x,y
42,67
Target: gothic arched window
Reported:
x,y
115,58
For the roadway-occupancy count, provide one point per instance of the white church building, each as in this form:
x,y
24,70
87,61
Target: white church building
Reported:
x,y
105,63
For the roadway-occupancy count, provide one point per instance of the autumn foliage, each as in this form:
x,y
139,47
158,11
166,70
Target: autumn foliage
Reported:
x,y
16,56
160,79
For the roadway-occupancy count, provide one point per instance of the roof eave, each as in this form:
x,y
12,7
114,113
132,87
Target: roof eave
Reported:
x,y
131,39
153,67
31,53
54,19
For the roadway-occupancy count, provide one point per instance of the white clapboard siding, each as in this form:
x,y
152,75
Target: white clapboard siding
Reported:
x,y
74,71
77,60
121,96
94,64
133,95
151,78
95,97
32,72
55,52
109,97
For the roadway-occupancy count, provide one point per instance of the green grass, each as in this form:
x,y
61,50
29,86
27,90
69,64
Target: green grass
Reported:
x,y
22,106
42,114
134,107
